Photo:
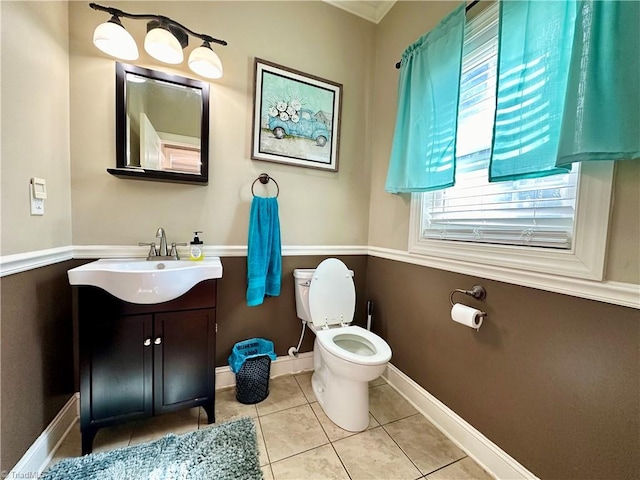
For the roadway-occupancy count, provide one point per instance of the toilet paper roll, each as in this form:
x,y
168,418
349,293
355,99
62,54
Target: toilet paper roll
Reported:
x,y
465,315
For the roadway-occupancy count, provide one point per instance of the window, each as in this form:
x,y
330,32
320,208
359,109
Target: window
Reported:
x,y
532,224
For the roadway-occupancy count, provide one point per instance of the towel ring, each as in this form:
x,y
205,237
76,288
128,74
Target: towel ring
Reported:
x,y
264,179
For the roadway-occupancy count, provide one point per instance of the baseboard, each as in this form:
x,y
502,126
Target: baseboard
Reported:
x,y
36,459
486,453
281,366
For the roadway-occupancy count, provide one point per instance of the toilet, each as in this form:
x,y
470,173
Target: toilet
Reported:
x,y
345,357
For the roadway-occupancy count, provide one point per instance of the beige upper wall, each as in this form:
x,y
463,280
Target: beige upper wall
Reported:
x,y
316,207
35,124
389,226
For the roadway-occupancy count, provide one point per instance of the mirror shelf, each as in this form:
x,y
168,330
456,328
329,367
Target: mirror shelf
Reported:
x,y
157,176
162,126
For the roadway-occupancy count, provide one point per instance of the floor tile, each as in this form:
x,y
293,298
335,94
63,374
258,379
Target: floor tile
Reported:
x,y
374,455
228,408
157,427
266,472
423,443
304,380
291,431
465,469
262,448
284,392
387,405
109,438
377,382
294,434
333,431
319,463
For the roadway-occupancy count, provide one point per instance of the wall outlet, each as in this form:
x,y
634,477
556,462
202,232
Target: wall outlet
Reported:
x,y
37,204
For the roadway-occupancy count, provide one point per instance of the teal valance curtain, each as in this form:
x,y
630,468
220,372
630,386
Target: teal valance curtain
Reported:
x,y
423,149
535,42
568,90
602,105
568,86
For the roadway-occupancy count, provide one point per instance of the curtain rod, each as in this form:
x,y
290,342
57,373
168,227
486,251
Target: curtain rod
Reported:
x,y
466,9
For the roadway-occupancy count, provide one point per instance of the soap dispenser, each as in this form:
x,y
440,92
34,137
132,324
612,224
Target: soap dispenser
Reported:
x,y
196,247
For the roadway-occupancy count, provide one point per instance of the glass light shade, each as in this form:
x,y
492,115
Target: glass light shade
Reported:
x,y
162,45
114,40
205,62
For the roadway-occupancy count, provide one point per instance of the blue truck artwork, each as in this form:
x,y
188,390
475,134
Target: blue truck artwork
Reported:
x,y
299,123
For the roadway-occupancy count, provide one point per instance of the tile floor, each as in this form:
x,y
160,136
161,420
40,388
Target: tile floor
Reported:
x,y
297,441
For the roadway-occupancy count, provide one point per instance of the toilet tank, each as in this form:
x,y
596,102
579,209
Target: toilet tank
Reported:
x,y
302,278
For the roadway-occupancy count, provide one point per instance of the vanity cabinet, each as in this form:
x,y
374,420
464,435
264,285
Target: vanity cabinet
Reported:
x,y
138,360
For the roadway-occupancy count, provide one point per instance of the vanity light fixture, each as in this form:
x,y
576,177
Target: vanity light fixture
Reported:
x,y
164,41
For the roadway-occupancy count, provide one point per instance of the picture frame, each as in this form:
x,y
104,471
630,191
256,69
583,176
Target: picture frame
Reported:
x,y
296,117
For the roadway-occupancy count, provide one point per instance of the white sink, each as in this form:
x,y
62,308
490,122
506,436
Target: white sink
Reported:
x,y
137,280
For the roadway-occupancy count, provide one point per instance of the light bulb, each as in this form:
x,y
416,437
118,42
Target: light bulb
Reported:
x,y
205,62
162,45
112,38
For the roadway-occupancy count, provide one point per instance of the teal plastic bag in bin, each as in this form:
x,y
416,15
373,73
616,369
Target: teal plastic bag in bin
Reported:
x,y
254,347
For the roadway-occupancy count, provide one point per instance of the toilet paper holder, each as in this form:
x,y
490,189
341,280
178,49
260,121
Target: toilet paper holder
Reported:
x,y
477,292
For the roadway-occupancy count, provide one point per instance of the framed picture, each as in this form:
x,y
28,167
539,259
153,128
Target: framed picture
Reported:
x,y
296,117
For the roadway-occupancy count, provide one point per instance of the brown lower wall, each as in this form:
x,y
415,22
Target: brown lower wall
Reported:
x,y
37,355
276,318
37,369
553,380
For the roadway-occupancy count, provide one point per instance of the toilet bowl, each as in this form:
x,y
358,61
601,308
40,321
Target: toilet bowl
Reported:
x,y
345,357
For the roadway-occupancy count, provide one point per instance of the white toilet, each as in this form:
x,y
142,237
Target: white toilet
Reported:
x,y
345,358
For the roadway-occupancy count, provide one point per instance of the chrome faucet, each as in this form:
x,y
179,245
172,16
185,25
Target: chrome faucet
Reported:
x,y
163,242
162,252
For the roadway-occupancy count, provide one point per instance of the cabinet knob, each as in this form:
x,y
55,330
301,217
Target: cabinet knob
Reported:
x,y
158,340
147,342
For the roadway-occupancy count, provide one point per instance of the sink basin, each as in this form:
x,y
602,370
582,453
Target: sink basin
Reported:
x,y
137,280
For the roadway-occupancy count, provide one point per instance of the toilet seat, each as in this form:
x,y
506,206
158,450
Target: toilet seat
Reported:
x,y
332,302
337,340
332,294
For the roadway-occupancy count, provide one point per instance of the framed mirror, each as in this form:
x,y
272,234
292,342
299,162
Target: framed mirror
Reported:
x,y
162,126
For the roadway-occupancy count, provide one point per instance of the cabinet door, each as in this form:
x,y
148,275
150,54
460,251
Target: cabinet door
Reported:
x,y
117,382
184,359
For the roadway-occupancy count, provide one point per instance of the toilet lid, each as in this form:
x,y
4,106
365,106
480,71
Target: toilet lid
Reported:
x,y
332,295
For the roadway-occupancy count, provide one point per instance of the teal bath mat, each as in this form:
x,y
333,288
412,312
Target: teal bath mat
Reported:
x,y
224,452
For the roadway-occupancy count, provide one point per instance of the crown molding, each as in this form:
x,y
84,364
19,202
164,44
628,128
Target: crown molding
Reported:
x,y
374,11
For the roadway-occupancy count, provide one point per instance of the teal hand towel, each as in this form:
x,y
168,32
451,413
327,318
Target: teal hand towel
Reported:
x,y
264,256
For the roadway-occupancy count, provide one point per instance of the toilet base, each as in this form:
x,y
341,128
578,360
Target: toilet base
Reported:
x,y
344,400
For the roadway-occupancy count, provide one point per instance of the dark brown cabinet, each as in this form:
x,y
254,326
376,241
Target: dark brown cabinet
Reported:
x,y
142,360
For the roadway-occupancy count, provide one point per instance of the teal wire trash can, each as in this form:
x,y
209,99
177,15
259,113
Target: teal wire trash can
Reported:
x,y
251,360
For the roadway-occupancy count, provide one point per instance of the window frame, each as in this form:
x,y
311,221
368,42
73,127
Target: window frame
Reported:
x,y
585,259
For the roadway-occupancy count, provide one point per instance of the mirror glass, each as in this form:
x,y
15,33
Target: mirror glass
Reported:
x,y
162,126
